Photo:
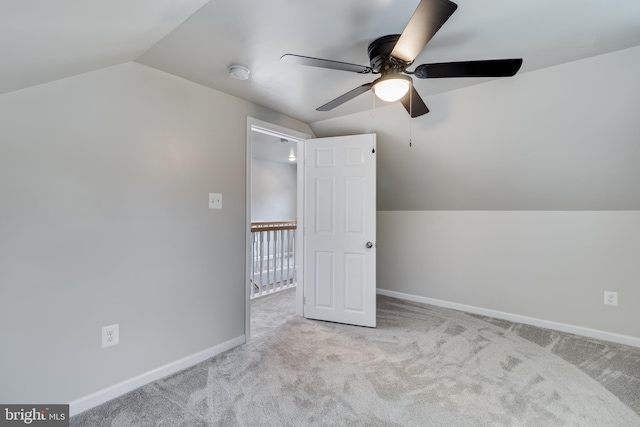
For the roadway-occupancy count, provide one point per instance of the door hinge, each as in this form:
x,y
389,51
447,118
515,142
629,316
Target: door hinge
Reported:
x,y
304,300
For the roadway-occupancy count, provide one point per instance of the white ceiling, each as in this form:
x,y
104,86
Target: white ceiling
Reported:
x,y
257,33
44,40
271,148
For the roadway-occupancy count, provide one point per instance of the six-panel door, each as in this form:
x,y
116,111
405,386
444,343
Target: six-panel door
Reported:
x,y
340,223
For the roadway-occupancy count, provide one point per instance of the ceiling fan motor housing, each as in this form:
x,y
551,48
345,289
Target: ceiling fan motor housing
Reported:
x,y
380,55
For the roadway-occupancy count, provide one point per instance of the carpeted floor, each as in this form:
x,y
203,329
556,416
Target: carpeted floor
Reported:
x,y
422,366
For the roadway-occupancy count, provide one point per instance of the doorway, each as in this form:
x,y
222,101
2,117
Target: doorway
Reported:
x,y
276,148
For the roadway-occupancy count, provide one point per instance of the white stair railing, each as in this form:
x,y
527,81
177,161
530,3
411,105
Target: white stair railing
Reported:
x,y
273,259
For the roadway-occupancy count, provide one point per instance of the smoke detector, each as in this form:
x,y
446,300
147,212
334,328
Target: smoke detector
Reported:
x,y
239,72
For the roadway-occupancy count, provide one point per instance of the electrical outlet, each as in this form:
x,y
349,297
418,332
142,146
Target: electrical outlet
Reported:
x,y
110,335
610,298
215,201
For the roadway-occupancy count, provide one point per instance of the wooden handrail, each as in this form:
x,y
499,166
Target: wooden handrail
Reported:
x,y
273,226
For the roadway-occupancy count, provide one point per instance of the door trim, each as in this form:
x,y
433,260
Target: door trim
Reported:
x,y
256,125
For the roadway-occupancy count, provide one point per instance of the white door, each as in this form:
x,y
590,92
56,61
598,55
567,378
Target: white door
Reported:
x,y
340,230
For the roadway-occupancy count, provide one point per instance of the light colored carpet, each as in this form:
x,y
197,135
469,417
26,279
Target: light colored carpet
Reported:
x,y
422,366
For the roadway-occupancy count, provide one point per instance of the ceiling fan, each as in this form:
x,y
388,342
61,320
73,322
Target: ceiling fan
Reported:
x,y
390,56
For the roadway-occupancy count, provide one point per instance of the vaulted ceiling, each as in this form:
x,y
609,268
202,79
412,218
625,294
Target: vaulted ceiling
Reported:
x,y
44,40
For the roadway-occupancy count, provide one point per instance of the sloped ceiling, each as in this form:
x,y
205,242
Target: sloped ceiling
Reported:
x,y
257,33
44,40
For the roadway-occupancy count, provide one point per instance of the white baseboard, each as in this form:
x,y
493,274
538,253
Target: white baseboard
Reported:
x,y
102,396
547,324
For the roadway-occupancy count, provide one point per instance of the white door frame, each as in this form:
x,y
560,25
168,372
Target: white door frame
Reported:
x,y
255,125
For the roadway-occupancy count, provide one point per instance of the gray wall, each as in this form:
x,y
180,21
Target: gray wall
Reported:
x,y
104,179
552,158
561,138
549,265
273,190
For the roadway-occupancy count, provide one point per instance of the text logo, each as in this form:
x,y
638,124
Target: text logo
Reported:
x,y
34,415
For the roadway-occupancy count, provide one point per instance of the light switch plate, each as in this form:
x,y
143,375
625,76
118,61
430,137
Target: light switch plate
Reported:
x,y
215,201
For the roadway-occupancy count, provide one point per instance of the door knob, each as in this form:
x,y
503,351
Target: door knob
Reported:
x,y
369,245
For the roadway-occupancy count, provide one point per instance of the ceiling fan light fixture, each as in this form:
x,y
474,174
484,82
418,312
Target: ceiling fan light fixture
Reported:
x,y
392,87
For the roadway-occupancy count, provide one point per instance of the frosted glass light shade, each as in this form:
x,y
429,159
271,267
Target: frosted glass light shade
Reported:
x,y
392,88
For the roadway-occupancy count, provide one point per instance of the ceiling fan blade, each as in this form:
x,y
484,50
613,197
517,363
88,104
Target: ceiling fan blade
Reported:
x,y
325,63
346,97
488,68
427,19
414,104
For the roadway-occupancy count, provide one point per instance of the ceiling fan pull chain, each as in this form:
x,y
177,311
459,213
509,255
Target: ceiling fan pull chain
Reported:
x,y
410,114
410,134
